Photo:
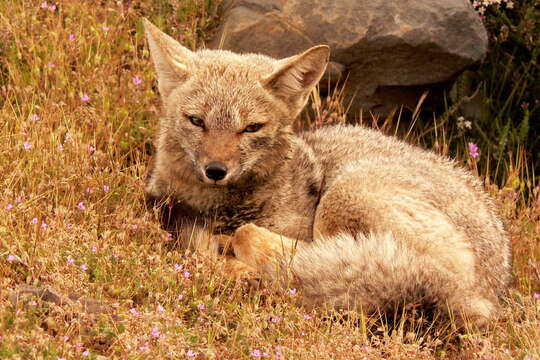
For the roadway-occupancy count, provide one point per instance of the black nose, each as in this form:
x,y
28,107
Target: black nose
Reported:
x,y
216,171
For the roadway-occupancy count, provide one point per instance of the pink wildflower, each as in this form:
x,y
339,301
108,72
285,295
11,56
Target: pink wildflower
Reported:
x,y
191,353
137,80
81,206
134,227
178,267
34,117
307,317
275,319
201,307
155,332
9,207
44,226
32,303
94,248
104,28
473,150
84,267
106,188
186,274
10,258
34,221
43,5
160,309
85,353
256,353
70,260
180,297
536,295
60,147
133,312
27,145
292,291
71,37
85,98
52,7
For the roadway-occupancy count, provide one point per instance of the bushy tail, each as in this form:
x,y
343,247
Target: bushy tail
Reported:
x,y
376,272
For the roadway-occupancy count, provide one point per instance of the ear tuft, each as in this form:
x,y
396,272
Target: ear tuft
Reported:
x,y
171,60
296,76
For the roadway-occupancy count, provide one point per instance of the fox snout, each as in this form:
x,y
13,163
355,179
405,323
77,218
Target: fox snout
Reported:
x,y
216,171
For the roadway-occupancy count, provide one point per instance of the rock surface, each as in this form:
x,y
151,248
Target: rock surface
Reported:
x,y
390,51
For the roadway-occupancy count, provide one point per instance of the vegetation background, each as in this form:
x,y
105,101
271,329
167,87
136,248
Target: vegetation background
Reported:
x,y
78,109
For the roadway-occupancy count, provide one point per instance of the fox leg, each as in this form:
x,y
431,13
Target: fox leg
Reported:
x,y
261,248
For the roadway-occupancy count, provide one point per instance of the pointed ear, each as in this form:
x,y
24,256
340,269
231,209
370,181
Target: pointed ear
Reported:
x,y
295,77
171,60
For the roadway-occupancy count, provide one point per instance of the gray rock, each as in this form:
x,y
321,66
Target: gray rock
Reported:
x,y
391,51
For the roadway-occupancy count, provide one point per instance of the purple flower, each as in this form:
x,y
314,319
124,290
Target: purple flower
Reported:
x,y
307,317
32,303
180,297
275,319
133,312
84,267
85,98
160,308
34,221
94,248
9,207
292,291
71,37
44,226
136,80
155,332
473,150
256,353
70,260
186,274
104,27
89,190
536,296
10,258
52,7
134,227
43,5
85,353
34,117
81,206
60,147
106,188
178,267
191,353
201,307
27,145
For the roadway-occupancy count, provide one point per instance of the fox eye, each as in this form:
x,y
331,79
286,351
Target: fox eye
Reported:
x,y
253,127
196,121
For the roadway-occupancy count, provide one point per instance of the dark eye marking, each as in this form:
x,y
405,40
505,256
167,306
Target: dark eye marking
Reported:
x,y
197,121
251,128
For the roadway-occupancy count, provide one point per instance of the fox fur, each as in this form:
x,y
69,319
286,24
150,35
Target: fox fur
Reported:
x,y
356,219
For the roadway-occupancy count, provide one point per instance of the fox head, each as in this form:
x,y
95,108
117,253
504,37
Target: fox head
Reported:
x,y
229,115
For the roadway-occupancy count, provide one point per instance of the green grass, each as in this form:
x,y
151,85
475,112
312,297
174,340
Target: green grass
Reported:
x,y
79,170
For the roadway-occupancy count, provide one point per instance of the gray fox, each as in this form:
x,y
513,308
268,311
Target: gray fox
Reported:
x,y
353,218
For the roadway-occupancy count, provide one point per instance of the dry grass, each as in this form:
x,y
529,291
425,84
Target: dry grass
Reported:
x,y
72,216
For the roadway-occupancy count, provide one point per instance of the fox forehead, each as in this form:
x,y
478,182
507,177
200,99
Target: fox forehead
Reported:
x,y
224,89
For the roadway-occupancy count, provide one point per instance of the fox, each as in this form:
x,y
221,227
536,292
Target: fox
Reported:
x,y
352,218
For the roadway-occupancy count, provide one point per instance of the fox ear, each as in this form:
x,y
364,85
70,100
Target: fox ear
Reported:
x,y
296,76
171,59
